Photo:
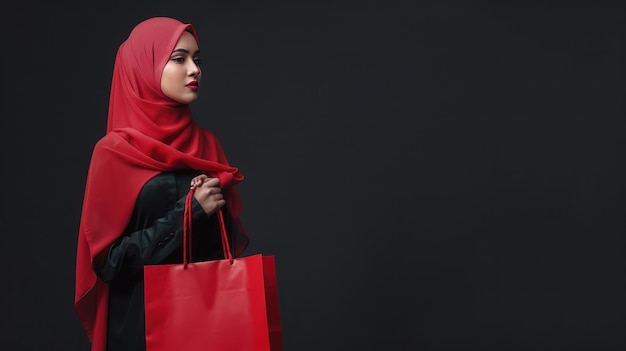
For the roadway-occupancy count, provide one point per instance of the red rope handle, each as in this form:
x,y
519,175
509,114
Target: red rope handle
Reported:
x,y
225,243
187,228
225,250
187,220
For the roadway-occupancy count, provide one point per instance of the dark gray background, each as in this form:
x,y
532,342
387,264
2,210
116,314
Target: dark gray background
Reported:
x,y
430,176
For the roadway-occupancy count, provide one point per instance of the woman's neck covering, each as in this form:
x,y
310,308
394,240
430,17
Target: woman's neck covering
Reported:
x,y
147,133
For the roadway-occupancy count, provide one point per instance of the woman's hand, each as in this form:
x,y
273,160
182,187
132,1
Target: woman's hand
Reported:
x,y
208,193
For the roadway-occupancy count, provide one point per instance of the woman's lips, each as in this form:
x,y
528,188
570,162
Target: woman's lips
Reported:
x,y
192,85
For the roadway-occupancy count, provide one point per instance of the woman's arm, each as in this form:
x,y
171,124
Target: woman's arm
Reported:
x,y
127,255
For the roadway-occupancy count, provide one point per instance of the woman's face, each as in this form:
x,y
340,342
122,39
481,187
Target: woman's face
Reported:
x,y
181,75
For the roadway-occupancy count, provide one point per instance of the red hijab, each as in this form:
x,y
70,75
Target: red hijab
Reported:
x,y
147,133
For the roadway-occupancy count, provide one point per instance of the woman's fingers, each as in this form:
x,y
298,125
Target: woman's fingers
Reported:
x,y
198,180
204,180
208,193
211,182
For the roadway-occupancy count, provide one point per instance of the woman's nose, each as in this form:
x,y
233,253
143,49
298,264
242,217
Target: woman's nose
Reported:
x,y
194,69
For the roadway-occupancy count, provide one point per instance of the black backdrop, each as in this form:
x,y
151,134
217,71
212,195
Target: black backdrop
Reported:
x,y
430,176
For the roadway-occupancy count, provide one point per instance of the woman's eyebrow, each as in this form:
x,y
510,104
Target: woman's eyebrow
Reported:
x,y
185,51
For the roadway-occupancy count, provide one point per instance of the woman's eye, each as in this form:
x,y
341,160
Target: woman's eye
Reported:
x,y
178,59
197,61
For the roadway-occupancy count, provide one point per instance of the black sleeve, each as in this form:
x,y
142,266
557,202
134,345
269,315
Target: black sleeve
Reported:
x,y
127,255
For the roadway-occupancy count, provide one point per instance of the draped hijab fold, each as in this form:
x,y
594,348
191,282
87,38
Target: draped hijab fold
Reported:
x,y
147,133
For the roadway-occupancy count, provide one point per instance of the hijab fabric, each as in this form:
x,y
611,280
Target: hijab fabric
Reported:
x,y
147,133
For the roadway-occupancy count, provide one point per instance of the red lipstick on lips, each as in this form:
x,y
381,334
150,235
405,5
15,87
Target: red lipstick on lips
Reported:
x,y
192,85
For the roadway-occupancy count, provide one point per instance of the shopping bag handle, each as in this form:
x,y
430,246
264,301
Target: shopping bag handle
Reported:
x,y
187,231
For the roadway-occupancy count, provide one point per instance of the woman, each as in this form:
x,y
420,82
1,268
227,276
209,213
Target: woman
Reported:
x,y
139,175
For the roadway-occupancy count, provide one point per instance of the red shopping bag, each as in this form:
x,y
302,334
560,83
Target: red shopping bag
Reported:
x,y
221,305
